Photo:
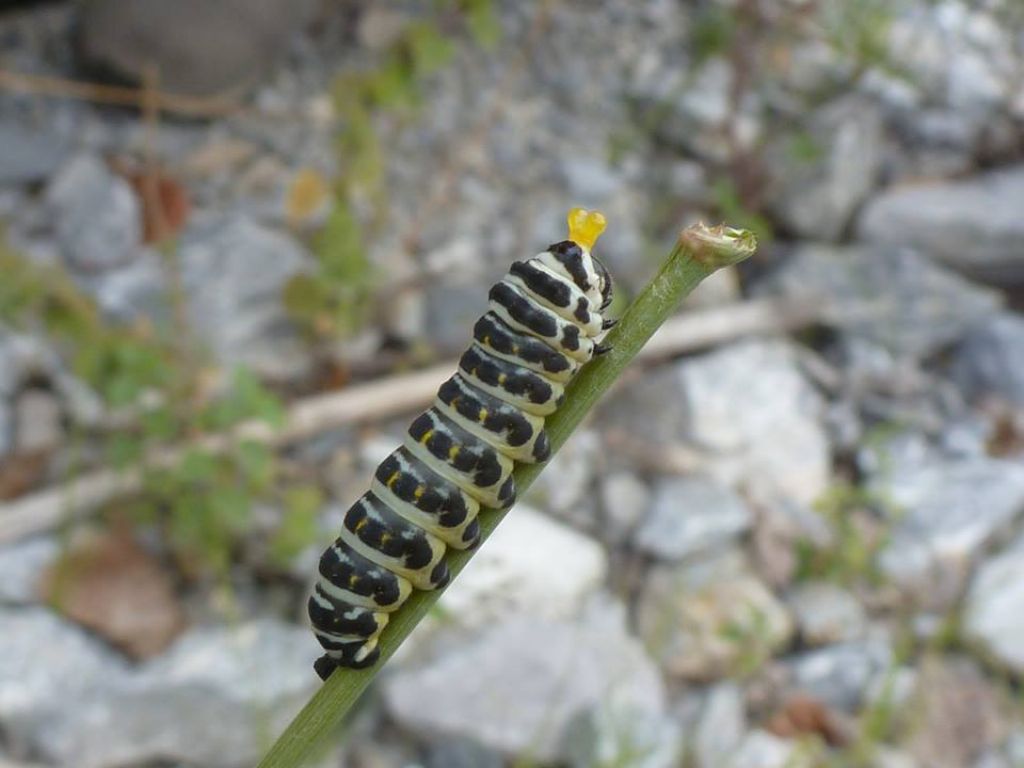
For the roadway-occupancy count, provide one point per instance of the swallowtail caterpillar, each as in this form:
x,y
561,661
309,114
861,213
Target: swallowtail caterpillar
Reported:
x,y
544,321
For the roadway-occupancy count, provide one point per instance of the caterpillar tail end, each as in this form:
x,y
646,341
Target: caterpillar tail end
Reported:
x,y
585,226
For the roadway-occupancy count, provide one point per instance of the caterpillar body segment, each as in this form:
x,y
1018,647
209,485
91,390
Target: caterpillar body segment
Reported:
x,y
545,320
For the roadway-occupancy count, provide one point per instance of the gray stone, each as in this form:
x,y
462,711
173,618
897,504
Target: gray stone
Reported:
x,y
233,273
197,47
946,514
816,196
37,420
887,295
781,530
974,225
450,310
133,291
564,485
516,687
711,618
991,359
589,181
691,515
721,727
842,676
826,613
747,408
462,753
248,680
22,565
606,736
97,215
30,154
531,563
624,499
994,611
761,749
48,668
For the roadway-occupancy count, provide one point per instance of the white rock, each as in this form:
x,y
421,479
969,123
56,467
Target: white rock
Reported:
x,y
97,215
752,407
994,611
691,515
516,687
624,498
531,563
710,618
22,565
721,727
826,613
761,749
947,513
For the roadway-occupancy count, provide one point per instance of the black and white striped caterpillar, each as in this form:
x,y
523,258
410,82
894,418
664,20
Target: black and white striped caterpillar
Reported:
x,y
543,323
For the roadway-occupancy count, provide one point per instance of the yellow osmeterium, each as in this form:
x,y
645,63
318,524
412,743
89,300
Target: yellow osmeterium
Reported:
x,y
585,226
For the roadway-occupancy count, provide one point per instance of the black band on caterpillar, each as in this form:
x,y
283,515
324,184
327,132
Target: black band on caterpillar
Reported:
x,y
545,321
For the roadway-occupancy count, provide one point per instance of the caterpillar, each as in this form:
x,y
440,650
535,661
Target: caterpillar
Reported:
x,y
544,321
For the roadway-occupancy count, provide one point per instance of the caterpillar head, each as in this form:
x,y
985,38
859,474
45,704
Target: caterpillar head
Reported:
x,y
575,259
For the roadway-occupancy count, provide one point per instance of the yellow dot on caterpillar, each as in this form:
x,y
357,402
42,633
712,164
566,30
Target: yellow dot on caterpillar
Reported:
x,y
481,415
585,226
361,524
502,377
385,538
394,478
453,452
426,436
420,490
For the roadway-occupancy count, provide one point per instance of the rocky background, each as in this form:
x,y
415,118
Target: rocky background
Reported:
x,y
798,547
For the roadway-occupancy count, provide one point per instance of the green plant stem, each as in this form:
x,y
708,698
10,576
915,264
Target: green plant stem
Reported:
x,y
699,252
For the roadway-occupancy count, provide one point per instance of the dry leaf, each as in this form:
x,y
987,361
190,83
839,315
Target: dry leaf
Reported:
x,y
307,198
111,585
803,715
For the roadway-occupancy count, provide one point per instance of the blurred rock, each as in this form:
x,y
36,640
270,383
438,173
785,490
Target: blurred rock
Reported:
x,y
818,183
233,273
48,668
973,225
994,610
842,676
945,514
826,613
588,180
721,727
531,563
781,530
249,680
31,154
637,739
450,310
462,753
96,215
689,516
692,108
22,565
959,714
197,47
991,359
564,486
762,750
884,294
747,406
711,618
516,687
37,421
133,291
802,716
624,499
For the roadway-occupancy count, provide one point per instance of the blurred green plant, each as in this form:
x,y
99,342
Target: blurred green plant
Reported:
x,y
335,301
203,500
852,557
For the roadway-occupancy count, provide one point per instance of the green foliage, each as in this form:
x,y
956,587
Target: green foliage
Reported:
x,y
852,557
203,500
712,33
335,300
